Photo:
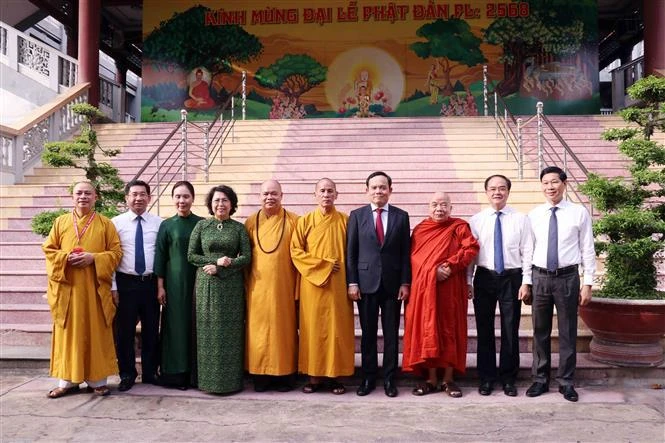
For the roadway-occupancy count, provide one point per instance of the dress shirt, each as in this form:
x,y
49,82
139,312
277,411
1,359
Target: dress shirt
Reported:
x,y
516,236
384,216
575,237
125,224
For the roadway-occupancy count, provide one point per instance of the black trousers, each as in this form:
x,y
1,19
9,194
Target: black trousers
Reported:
x,y
138,301
490,288
368,309
563,292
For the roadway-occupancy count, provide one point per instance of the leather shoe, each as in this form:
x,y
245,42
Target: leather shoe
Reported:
x,y
365,388
510,390
485,388
537,389
569,392
125,384
390,388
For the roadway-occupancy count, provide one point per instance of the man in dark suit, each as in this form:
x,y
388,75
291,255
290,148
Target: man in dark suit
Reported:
x,y
378,273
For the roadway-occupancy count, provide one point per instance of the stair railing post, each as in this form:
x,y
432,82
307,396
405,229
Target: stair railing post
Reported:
x,y
539,113
159,182
183,138
505,134
485,89
496,115
244,93
233,113
206,148
520,163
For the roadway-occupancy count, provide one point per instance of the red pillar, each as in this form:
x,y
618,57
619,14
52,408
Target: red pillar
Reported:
x,y
89,24
654,36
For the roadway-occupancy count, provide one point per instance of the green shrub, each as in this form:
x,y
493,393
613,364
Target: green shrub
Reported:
x,y
631,228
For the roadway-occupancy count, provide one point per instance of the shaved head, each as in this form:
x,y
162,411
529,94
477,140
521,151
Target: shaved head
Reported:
x,y
271,184
271,197
440,207
440,195
327,180
325,193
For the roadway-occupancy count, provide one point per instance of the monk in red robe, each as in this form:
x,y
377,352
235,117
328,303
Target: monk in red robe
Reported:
x,y
435,319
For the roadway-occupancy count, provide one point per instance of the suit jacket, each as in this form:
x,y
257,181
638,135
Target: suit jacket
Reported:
x,y
369,264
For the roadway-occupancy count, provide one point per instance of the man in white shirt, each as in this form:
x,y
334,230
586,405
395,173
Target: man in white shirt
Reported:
x,y
563,239
503,275
134,286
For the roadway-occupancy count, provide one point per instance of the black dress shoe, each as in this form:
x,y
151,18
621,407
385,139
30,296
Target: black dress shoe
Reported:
x,y
365,387
569,392
485,388
537,389
125,384
390,388
510,390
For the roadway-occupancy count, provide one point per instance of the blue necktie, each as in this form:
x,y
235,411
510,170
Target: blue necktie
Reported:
x,y
552,243
498,244
139,254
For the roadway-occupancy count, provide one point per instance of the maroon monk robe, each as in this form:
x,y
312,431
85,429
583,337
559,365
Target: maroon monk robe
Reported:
x,y
435,333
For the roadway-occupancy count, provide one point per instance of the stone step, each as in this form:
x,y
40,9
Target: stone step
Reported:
x,y
35,277
416,210
587,369
29,326
464,192
20,248
525,340
19,235
19,295
25,313
25,263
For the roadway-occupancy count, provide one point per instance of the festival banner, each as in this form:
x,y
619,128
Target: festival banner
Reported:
x,y
368,58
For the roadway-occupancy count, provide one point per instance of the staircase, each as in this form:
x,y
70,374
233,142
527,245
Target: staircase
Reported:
x,y
422,155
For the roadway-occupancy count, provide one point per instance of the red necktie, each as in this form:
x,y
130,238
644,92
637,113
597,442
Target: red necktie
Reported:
x,y
379,225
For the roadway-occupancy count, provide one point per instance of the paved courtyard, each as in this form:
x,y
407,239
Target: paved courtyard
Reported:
x,y
151,413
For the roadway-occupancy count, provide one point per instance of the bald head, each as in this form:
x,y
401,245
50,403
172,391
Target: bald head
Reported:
x,y
271,197
325,193
440,207
327,181
84,197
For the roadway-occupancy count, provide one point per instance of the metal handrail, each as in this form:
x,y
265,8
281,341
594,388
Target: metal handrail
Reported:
x,y
515,141
166,159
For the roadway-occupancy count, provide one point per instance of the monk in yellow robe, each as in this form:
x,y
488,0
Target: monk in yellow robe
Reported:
x,y
318,249
82,252
271,328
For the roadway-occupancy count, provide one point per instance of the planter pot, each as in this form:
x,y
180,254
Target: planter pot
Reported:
x,y
626,332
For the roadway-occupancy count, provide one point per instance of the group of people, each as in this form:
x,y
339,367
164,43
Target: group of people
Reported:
x,y
274,297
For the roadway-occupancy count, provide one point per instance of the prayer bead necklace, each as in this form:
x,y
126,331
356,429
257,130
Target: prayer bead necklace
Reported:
x,y
258,240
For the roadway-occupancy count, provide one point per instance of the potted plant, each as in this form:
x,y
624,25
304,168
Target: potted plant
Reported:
x,y
80,153
627,315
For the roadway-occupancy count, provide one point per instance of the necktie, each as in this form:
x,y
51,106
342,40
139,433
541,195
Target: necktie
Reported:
x,y
139,254
379,225
498,244
552,243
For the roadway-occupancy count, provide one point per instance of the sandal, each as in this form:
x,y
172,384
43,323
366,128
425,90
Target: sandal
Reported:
x,y
337,388
61,392
311,388
424,389
451,389
101,391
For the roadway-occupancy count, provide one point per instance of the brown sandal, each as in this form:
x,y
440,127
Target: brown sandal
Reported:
x,y
424,389
451,389
337,388
101,391
311,388
61,392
